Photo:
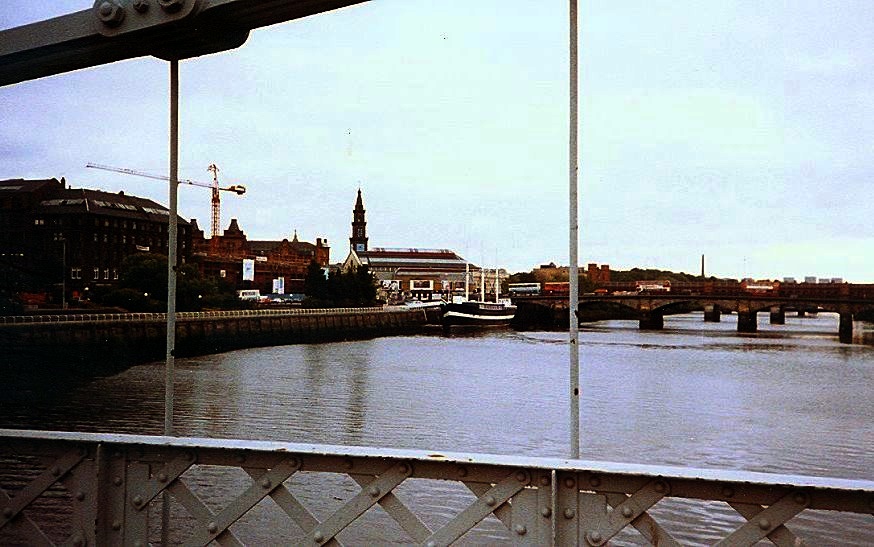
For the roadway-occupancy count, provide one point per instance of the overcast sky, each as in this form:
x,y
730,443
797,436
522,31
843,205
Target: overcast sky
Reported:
x,y
740,130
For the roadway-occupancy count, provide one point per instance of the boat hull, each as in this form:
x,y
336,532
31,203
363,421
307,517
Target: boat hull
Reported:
x,y
482,314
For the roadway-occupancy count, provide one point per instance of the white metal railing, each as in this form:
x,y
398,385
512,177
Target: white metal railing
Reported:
x,y
105,488
12,319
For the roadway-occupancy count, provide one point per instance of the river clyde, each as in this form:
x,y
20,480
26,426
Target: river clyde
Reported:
x,y
790,399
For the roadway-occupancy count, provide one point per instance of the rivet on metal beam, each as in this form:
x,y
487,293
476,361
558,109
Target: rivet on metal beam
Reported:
x,y
661,487
117,481
374,491
80,495
431,544
349,464
803,499
171,6
55,471
520,529
522,476
318,536
544,480
109,12
545,512
728,491
570,482
7,512
141,6
595,481
764,524
212,527
116,525
79,541
569,513
265,483
137,501
594,537
406,469
627,512
462,471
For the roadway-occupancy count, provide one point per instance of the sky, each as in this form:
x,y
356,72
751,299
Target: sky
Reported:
x,y
740,130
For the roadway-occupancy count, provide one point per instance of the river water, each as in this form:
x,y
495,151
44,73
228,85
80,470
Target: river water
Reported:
x,y
790,399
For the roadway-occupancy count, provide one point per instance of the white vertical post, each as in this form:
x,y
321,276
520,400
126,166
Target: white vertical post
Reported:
x,y
573,239
171,253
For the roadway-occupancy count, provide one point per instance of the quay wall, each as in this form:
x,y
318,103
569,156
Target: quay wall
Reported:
x,y
123,339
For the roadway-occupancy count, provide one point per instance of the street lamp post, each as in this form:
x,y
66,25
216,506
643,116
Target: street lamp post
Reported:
x,y
63,273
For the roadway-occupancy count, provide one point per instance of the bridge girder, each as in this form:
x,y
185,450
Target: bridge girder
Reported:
x,y
115,30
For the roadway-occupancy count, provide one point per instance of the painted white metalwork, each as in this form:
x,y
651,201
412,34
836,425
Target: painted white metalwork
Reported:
x,y
113,483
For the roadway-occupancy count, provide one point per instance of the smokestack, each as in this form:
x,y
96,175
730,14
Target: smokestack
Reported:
x,y
702,266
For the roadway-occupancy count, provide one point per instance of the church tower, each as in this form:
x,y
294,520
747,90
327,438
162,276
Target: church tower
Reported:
x,y
358,241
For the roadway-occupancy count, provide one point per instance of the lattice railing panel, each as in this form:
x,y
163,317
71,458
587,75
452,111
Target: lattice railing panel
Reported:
x,y
112,489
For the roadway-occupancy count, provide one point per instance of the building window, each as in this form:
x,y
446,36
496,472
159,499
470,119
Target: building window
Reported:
x,y
115,274
96,273
75,273
124,239
39,222
223,273
106,273
105,238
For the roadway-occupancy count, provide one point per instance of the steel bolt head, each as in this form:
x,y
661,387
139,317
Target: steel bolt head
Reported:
x,y
374,491
520,529
162,477
318,536
212,527
137,501
545,512
569,513
171,6
764,524
109,12
265,483
627,512
490,501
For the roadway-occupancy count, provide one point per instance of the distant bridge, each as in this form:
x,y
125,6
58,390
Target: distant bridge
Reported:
x,y
651,308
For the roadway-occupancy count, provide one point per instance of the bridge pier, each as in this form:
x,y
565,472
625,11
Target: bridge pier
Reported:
x,y
845,328
712,313
801,313
778,315
747,321
651,320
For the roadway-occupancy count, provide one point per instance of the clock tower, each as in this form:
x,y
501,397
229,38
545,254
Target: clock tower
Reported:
x,y
358,241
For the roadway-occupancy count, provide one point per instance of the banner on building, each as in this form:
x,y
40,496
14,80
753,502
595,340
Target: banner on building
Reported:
x,y
279,285
248,269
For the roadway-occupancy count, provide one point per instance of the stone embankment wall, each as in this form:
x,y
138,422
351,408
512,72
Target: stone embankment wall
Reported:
x,y
122,339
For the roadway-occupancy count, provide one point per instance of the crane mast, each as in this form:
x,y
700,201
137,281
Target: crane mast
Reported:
x,y
216,201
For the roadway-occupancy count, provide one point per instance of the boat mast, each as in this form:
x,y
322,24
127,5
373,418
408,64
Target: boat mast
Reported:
x,y
466,281
497,286
482,284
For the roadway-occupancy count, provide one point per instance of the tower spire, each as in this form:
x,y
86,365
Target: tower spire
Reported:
x,y
358,241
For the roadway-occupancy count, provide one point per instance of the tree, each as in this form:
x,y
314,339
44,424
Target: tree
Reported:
x,y
315,284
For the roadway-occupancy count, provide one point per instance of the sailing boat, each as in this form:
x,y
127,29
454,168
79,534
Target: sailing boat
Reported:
x,y
463,311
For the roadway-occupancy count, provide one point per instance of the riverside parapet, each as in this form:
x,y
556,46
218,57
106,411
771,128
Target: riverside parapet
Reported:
x,y
123,339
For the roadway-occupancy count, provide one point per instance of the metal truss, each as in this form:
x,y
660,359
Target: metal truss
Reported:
x,y
107,489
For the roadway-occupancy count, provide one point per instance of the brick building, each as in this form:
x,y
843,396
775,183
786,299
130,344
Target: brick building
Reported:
x,y
53,236
223,257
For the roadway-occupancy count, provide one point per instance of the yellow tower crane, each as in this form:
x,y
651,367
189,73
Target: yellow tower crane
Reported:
x,y
238,189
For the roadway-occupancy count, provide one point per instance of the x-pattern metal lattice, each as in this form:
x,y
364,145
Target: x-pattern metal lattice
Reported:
x,y
109,486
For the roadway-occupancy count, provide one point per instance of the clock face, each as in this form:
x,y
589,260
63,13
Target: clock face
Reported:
x,y
359,246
